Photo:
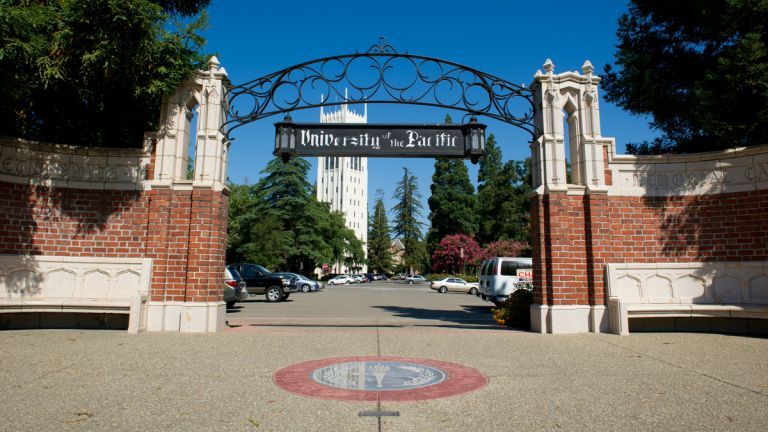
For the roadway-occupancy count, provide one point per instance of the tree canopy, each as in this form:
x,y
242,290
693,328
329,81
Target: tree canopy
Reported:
x,y
93,72
699,68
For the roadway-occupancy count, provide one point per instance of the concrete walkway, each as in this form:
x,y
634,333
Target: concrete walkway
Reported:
x,y
108,380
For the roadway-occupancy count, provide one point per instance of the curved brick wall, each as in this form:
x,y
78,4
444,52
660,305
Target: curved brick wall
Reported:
x,y
65,202
709,207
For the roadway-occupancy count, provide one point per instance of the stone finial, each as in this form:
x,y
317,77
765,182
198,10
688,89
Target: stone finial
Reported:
x,y
587,68
549,67
213,62
538,73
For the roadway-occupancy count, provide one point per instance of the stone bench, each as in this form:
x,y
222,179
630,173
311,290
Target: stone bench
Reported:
x,y
686,290
76,285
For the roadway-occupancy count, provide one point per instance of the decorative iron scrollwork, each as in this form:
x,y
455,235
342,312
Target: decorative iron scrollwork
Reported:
x,y
380,75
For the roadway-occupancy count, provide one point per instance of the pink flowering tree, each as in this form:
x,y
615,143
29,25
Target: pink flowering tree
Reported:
x,y
455,252
506,248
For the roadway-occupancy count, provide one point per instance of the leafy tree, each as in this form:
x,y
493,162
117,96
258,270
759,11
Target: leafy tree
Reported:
x,y
280,224
698,68
455,252
93,72
379,241
503,197
407,226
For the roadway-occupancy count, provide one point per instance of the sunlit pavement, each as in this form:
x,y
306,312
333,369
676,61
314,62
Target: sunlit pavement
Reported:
x,y
109,380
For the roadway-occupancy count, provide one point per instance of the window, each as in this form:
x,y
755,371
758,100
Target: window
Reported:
x,y
509,268
485,269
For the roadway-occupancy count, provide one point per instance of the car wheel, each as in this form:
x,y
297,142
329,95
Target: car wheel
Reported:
x,y
410,282
274,294
473,291
443,290
305,288
230,304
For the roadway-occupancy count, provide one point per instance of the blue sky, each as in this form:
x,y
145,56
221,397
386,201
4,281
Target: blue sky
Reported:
x,y
509,39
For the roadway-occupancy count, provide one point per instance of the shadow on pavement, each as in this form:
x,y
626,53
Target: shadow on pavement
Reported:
x,y
466,326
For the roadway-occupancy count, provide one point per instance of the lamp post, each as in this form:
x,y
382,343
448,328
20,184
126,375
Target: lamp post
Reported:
x,y
285,138
474,140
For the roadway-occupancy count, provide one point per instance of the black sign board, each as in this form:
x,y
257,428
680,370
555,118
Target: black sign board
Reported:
x,y
376,140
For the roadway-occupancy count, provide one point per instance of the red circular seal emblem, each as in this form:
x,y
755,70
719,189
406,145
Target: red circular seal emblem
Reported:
x,y
379,378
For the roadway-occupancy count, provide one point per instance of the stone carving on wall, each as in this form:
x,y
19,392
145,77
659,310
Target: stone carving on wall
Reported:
x,y
44,164
706,173
686,283
25,278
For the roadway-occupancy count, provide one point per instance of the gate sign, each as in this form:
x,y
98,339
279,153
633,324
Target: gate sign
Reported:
x,y
357,139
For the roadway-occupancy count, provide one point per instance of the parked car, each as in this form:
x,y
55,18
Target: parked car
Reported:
x,y
340,280
234,288
501,276
453,284
412,279
259,280
369,277
303,283
357,278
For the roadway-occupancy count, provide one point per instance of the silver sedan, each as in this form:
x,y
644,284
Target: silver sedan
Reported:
x,y
453,284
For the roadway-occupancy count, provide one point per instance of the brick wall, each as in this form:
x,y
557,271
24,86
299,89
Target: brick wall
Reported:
x,y
576,235
183,231
41,220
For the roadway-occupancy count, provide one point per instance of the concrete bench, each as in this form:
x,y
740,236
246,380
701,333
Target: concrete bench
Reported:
x,y
690,290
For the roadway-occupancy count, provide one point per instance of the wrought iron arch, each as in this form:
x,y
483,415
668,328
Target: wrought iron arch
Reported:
x,y
429,82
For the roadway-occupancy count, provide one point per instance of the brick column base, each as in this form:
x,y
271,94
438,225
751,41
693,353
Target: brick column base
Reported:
x,y
187,242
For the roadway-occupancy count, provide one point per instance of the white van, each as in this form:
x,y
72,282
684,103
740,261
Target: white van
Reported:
x,y
499,276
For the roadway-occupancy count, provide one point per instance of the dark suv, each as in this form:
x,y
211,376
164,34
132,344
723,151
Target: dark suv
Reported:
x,y
259,280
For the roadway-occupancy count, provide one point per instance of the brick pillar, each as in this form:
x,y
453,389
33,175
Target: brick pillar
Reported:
x,y
568,216
187,224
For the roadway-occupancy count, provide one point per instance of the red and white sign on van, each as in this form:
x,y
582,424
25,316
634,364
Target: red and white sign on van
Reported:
x,y
525,275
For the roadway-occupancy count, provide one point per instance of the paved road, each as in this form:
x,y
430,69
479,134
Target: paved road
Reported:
x,y
109,380
380,303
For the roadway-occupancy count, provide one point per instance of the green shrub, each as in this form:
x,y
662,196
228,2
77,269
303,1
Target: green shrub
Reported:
x,y
516,310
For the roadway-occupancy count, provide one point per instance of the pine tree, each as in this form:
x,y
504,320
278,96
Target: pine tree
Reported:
x,y
698,68
407,224
503,197
453,202
93,72
379,241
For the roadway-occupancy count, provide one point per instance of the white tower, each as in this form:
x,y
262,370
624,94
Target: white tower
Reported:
x,y
343,182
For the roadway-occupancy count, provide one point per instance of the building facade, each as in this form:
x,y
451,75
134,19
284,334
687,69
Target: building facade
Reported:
x,y
343,183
